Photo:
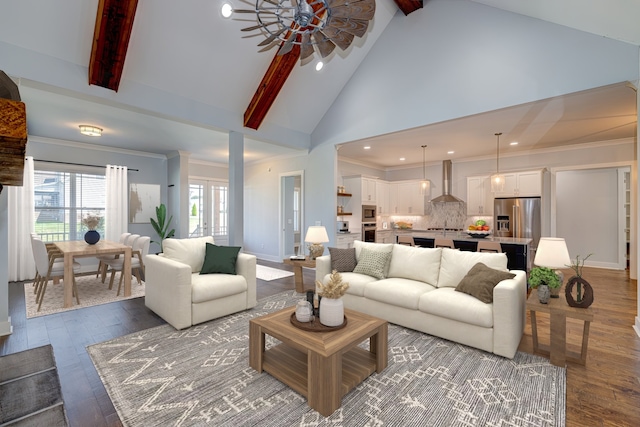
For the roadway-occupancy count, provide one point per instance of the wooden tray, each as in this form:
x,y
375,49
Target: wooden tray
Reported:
x,y
315,325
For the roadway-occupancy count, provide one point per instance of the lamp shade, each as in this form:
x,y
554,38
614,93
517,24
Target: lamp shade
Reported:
x,y
316,234
552,252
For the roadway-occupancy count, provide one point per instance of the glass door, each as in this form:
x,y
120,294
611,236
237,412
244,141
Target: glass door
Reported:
x,y
208,210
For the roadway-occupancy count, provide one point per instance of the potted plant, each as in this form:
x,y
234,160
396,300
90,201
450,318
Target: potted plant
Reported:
x,y
581,300
161,225
331,305
543,278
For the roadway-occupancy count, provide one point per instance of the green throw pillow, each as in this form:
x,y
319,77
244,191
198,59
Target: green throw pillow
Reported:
x,y
372,263
480,281
220,259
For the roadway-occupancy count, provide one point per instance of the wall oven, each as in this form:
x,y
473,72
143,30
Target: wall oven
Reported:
x,y
368,213
369,232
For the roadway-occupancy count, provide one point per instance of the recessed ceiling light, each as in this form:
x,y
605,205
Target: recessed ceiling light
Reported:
x,y
514,143
366,147
450,152
319,65
226,10
89,130
402,159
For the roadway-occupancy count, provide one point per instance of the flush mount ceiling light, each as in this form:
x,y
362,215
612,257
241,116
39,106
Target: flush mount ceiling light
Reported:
x,y
497,180
90,130
424,184
309,24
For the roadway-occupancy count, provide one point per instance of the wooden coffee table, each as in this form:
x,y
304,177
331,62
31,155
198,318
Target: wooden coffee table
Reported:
x,y
322,366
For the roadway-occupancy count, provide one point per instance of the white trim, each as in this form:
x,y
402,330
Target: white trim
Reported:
x,y
85,146
636,327
6,328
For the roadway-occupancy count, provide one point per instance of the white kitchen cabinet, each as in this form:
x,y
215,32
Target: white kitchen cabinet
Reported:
x,y
479,195
522,184
368,190
345,241
363,190
382,197
406,198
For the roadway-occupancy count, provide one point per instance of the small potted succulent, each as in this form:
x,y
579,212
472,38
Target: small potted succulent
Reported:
x,y
543,278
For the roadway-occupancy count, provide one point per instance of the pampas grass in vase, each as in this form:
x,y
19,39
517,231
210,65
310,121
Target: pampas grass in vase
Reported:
x,y
331,305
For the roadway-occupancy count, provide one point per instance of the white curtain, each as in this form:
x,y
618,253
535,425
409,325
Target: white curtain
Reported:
x,y
116,205
21,224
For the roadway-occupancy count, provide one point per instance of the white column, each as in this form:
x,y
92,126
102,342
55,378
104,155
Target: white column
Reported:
x,y
236,189
5,319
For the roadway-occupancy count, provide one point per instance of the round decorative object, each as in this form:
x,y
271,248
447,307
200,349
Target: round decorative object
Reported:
x,y
304,311
543,294
478,234
315,325
584,293
331,311
316,250
92,237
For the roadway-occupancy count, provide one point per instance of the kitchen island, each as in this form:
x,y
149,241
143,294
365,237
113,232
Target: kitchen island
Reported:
x,y
517,249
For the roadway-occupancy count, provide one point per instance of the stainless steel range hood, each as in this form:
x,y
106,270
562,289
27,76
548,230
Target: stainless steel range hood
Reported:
x,y
446,196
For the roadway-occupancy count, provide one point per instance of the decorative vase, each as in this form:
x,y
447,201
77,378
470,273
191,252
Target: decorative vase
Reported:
x,y
543,294
584,293
554,292
331,311
92,237
304,311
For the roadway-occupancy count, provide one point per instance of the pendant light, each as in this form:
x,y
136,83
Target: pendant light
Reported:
x,y
497,180
425,185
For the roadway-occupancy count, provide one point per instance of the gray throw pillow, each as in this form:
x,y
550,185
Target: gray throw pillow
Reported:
x,y
343,260
372,263
480,281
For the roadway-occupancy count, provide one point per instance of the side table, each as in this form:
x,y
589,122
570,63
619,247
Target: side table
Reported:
x,y
559,310
297,270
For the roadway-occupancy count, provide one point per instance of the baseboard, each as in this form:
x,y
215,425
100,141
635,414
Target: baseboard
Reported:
x,y
636,327
6,328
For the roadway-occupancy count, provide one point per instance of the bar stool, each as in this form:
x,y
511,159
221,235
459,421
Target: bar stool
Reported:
x,y
406,240
489,247
443,243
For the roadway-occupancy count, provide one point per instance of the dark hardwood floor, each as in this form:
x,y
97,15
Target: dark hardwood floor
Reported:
x,y
605,392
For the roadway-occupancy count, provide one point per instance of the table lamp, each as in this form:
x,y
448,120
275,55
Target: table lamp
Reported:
x,y
552,253
316,236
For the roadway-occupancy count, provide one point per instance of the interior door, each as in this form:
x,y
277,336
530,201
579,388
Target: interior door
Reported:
x,y
208,210
291,213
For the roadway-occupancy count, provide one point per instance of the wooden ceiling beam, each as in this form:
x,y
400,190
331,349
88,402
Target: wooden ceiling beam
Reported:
x,y
408,6
271,84
114,22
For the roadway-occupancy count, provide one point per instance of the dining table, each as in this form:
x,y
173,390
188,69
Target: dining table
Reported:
x,y
80,249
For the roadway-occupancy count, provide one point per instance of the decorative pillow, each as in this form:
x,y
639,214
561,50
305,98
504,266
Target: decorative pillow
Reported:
x,y
480,281
343,260
378,247
220,259
372,263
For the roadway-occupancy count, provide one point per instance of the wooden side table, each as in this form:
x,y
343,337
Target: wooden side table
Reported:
x,y
559,310
297,270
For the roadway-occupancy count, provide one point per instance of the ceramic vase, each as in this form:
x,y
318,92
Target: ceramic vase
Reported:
x,y
92,237
543,294
331,311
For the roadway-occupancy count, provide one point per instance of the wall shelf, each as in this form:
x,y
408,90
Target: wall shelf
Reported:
x,y
344,195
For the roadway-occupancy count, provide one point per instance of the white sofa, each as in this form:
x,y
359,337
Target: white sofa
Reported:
x,y
419,293
176,291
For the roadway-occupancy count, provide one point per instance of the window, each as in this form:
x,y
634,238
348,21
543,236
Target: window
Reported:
x,y
208,208
62,199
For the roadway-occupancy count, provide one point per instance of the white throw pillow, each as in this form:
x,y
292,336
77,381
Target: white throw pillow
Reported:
x,y
187,251
456,264
380,247
415,263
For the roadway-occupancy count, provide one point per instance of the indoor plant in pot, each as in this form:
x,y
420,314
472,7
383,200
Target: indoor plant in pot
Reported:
x,y
161,225
331,305
543,278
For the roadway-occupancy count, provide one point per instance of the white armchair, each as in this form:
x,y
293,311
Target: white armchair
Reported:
x,y
176,291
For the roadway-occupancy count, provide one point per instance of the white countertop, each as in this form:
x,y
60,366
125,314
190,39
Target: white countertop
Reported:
x,y
461,235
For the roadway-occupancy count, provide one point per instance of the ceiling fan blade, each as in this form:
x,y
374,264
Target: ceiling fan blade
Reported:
x,y
306,48
342,39
269,47
357,27
359,10
325,46
272,37
256,27
253,11
288,45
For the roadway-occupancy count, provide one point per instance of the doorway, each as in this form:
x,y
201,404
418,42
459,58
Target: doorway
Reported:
x,y
291,213
208,210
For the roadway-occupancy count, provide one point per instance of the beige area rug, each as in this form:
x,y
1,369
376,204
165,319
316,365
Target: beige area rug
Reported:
x,y
92,292
270,273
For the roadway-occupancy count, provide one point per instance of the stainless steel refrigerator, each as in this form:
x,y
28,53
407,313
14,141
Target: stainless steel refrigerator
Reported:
x,y
517,217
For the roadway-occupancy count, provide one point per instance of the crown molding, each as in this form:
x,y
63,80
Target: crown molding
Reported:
x,y
95,147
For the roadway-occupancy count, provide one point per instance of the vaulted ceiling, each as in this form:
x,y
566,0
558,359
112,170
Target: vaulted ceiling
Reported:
x,y
189,74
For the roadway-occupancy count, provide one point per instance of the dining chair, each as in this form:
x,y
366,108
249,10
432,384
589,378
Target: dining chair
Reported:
x,y
102,267
406,240
443,243
49,267
139,250
484,246
52,251
129,241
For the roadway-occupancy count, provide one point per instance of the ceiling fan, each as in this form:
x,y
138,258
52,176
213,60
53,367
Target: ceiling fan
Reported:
x,y
319,24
